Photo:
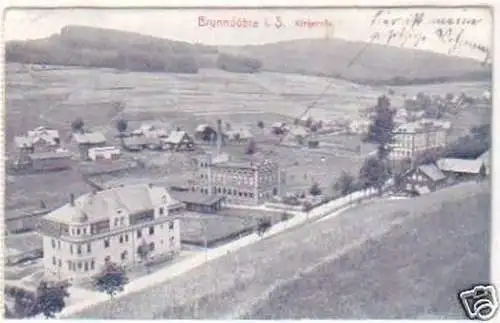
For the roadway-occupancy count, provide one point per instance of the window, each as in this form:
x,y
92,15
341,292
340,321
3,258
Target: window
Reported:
x,y
106,243
151,230
239,193
59,244
69,265
84,230
78,231
89,247
107,259
92,264
86,267
161,211
139,233
116,221
59,263
71,249
171,225
126,238
79,250
121,239
122,220
53,243
54,261
79,265
123,256
152,246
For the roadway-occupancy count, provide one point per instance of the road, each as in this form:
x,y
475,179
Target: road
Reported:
x,y
396,259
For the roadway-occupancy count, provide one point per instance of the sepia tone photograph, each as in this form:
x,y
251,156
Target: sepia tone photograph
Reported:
x,y
248,163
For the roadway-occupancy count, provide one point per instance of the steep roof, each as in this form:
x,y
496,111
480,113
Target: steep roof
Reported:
x,y
485,157
203,127
50,155
432,171
176,137
466,166
89,138
103,204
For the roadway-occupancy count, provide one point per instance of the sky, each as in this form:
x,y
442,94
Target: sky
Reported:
x,y
464,29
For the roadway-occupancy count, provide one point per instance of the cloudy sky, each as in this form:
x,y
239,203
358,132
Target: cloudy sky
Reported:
x,y
470,27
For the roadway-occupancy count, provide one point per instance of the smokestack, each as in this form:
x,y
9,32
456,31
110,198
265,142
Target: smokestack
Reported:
x,y
219,136
72,199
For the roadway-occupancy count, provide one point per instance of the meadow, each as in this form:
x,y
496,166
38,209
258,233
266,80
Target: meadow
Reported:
x,y
55,96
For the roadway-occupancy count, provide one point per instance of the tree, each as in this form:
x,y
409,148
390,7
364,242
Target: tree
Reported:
x,y
382,126
144,250
111,279
77,125
260,124
50,298
344,184
315,190
251,147
121,126
374,173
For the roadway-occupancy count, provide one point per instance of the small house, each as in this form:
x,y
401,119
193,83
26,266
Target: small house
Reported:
x,y
24,146
239,134
179,140
461,168
424,179
87,140
104,153
205,132
135,143
278,127
45,136
50,161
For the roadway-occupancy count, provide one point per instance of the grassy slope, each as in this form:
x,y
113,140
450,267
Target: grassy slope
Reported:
x,y
390,259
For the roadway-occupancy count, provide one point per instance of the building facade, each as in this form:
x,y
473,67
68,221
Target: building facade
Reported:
x,y
104,153
411,139
239,182
109,225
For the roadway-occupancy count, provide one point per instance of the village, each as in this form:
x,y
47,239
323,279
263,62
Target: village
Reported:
x,y
155,193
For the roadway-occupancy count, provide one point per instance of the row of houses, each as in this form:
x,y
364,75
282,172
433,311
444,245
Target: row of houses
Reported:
x,y
429,177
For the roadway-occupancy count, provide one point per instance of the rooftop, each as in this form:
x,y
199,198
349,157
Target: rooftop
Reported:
x,y
175,137
466,166
50,155
195,198
432,171
100,205
90,138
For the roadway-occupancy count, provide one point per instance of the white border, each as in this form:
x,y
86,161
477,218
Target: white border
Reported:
x,y
495,243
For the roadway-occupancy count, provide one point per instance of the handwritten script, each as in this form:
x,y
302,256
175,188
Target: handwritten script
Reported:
x,y
416,28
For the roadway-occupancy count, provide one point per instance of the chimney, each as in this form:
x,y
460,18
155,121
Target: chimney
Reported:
x,y
72,199
219,136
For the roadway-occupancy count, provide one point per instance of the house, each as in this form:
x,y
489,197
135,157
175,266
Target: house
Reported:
x,y
45,135
112,225
50,161
205,132
278,127
135,143
241,134
179,140
296,136
423,179
360,126
87,140
461,168
485,159
150,131
104,153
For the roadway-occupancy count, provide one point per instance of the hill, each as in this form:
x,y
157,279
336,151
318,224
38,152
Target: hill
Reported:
x,y
379,64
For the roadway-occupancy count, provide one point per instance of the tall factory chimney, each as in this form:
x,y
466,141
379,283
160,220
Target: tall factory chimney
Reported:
x,y
219,136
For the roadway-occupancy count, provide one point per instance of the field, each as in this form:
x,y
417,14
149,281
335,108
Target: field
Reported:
x,y
56,97
387,259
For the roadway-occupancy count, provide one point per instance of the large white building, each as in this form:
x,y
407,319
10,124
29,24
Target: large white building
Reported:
x,y
411,139
79,237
